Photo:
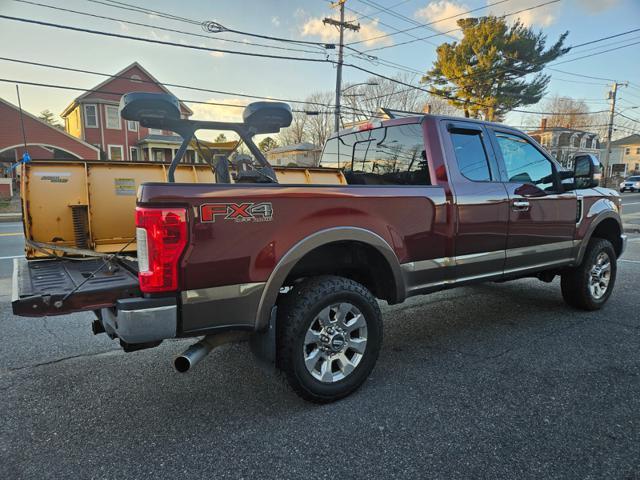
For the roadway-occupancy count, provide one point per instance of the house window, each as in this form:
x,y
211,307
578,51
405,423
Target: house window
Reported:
x,y
155,131
627,151
113,117
91,116
115,152
132,126
158,155
133,154
637,150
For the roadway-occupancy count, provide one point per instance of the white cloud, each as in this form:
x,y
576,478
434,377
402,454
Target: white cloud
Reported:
x,y
313,27
442,10
541,16
275,21
597,6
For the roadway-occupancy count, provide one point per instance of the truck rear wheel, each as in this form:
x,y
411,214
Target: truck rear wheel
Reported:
x,y
589,285
329,337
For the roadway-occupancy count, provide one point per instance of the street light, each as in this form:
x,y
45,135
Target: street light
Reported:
x,y
353,112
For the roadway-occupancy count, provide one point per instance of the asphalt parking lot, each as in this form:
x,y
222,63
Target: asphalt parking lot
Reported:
x,y
491,381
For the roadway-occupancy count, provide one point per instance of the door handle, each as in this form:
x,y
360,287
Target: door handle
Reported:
x,y
520,206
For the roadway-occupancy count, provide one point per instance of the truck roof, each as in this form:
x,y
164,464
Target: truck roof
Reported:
x,y
377,123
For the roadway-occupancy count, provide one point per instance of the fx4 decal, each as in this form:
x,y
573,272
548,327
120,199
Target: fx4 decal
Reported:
x,y
237,212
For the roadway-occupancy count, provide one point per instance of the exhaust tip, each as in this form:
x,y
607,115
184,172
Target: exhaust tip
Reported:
x,y
182,364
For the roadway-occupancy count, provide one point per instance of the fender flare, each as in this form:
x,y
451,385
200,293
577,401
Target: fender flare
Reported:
x,y
599,218
313,241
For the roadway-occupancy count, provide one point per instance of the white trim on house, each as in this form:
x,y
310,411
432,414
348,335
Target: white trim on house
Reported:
x,y
109,147
132,125
112,110
33,117
136,151
121,74
46,146
86,117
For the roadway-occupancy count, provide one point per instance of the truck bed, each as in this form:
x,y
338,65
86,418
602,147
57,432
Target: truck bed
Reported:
x,y
61,286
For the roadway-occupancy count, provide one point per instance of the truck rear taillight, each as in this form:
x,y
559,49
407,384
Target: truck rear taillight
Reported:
x,y
161,235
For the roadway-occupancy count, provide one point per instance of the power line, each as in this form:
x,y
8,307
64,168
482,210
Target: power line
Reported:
x,y
581,75
597,53
606,38
453,98
398,15
431,23
381,9
195,47
107,92
165,29
162,42
173,85
218,27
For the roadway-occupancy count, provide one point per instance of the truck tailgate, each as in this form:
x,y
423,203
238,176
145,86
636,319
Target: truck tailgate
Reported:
x,y
55,286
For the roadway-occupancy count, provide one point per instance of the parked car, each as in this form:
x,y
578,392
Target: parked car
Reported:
x,y
432,203
632,184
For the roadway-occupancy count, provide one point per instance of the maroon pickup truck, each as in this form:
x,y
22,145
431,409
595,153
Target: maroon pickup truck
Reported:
x,y
431,203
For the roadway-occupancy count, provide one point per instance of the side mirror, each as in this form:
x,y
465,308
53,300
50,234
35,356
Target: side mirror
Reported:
x,y
267,117
587,171
149,108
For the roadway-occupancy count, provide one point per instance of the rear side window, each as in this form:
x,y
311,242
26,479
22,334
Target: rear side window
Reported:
x,y
381,156
471,156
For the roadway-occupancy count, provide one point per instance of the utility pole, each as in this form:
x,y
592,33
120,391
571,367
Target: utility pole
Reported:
x,y
341,25
612,96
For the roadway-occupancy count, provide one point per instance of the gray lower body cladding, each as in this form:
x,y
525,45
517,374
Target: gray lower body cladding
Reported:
x,y
220,308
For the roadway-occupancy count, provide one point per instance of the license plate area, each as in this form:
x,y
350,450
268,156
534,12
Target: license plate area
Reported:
x,y
61,286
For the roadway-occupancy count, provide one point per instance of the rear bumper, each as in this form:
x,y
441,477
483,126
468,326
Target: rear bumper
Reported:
x,y
141,320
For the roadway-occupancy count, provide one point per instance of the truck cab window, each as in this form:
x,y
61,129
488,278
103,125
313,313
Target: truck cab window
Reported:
x,y
524,163
471,156
380,156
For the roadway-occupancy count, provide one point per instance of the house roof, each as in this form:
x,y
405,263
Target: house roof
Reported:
x,y
161,139
559,129
121,73
57,130
177,140
630,140
306,146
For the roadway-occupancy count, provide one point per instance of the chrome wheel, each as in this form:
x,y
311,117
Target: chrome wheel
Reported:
x,y
600,275
335,342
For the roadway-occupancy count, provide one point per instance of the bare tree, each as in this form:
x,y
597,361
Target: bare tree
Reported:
x,y
365,101
319,127
296,132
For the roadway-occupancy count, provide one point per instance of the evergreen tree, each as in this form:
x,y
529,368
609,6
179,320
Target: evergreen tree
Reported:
x,y
484,74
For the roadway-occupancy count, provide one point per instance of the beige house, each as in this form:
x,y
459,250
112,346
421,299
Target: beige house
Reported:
x,y
627,151
299,155
563,143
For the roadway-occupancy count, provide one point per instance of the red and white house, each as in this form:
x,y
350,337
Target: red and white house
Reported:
x,y
43,142
94,118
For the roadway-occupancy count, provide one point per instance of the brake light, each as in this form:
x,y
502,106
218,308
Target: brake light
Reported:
x,y
161,235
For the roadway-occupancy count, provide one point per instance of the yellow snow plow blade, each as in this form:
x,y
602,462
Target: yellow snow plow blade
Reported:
x,y
90,205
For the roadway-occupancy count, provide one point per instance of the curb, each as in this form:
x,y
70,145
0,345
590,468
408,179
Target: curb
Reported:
x,y
631,228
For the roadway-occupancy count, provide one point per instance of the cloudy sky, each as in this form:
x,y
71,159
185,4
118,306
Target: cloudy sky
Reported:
x,y
584,19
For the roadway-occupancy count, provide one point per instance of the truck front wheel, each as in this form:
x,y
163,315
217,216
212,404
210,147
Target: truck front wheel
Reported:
x,y
589,285
329,336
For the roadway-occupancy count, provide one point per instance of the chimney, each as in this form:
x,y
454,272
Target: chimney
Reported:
x,y
543,124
